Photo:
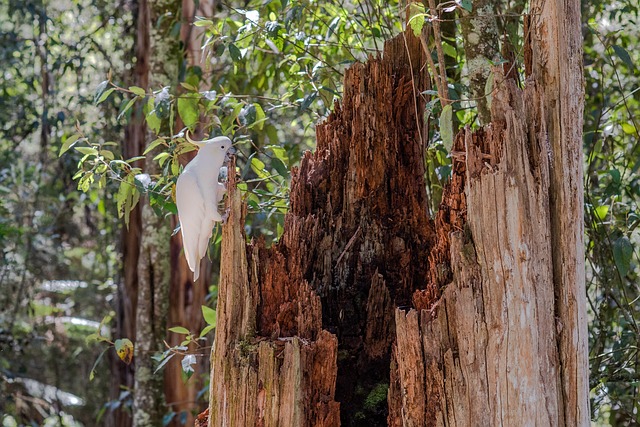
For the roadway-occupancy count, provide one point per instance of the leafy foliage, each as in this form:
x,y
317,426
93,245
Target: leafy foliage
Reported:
x,y
612,191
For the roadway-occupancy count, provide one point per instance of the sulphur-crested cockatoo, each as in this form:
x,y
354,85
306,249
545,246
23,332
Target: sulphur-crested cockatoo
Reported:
x,y
198,193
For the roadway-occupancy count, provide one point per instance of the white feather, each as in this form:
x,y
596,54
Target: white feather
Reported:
x,y
198,193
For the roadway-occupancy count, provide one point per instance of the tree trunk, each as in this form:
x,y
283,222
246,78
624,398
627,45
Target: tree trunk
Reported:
x,y
152,271
481,48
187,298
127,296
367,312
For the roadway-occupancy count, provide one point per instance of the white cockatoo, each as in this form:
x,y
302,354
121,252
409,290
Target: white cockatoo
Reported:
x,y
198,193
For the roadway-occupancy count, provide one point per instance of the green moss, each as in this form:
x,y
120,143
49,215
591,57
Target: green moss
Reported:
x,y
376,396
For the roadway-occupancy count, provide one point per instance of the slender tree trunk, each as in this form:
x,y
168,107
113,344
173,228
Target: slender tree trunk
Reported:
x,y
152,275
369,313
127,297
187,298
482,48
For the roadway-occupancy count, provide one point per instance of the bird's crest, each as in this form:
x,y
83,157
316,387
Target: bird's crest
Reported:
x,y
201,144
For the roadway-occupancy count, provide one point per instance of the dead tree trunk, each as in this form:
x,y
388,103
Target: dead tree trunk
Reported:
x,y
367,312
506,343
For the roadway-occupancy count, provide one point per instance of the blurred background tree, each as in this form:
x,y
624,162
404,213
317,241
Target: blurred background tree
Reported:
x,y
78,77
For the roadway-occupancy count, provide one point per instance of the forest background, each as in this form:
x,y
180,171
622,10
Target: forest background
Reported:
x,y
264,73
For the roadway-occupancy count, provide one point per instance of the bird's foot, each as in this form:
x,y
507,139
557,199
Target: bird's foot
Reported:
x,y
225,216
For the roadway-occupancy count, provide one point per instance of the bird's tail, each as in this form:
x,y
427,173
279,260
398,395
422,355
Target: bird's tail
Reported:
x,y
196,272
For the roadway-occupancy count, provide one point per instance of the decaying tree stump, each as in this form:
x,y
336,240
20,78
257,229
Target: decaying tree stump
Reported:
x,y
368,312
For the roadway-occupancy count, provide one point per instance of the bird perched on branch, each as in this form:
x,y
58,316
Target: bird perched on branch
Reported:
x,y
198,193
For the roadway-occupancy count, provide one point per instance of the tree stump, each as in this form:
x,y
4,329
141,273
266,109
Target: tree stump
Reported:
x,y
368,312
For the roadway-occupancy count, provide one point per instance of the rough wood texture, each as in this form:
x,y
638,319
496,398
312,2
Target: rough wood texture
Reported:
x,y
355,245
557,65
488,352
324,316
488,355
262,380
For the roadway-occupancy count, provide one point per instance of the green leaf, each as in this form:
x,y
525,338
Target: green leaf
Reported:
x,y
138,90
188,109
449,50
68,143
260,117
92,374
206,330
209,314
203,23
180,330
446,127
126,108
187,86
105,95
624,55
100,90
107,154
628,128
235,53
601,212
465,4
153,120
87,151
622,254
280,167
258,167
164,362
153,145
416,18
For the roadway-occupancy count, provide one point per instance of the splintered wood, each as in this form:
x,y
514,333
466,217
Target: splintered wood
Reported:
x,y
265,380
355,246
489,354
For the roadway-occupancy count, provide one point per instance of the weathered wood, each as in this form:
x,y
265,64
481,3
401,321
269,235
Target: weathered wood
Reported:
x,y
490,351
355,245
557,64
267,380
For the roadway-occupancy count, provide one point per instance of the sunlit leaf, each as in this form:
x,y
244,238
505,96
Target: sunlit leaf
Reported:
x,y
137,90
416,17
188,109
100,90
209,315
124,349
180,330
68,143
601,212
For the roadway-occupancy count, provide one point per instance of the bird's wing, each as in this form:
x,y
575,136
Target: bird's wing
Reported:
x,y
191,212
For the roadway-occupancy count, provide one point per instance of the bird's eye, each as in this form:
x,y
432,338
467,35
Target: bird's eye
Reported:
x,y
223,147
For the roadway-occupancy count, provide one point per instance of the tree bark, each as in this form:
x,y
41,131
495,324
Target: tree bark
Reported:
x,y
127,296
482,48
473,318
506,344
152,271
